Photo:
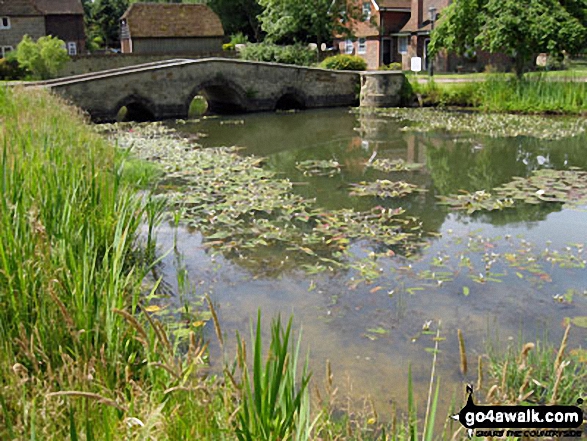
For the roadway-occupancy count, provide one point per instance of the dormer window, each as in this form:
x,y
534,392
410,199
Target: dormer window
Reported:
x,y
367,11
4,23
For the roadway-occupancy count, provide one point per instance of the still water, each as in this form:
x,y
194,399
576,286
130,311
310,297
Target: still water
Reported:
x,y
494,275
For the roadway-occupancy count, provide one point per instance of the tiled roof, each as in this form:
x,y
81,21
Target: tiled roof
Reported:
x,y
172,20
59,7
41,7
18,7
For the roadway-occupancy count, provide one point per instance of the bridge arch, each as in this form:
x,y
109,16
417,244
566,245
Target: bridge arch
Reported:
x,y
223,96
137,107
291,98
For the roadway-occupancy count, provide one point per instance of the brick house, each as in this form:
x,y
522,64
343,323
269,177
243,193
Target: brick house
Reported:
x,y
63,19
373,39
167,28
394,31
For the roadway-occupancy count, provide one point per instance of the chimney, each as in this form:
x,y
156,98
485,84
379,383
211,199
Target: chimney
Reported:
x,y
417,14
420,11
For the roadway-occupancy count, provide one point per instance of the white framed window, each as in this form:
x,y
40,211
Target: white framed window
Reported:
x,y
4,22
367,11
349,47
362,46
402,45
5,50
72,48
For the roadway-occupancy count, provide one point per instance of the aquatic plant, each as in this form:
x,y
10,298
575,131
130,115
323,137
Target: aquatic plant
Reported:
x,y
394,165
319,167
490,124
543,186
383,188
242,207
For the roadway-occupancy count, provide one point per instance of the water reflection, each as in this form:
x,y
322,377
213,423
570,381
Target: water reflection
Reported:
x,y
338,309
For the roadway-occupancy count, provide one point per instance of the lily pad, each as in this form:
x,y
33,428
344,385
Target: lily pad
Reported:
x,y
385,189
319,167
394,165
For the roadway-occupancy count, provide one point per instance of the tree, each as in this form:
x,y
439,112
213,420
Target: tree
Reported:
x,y
306,21
105,18
519,28
239,16
43,58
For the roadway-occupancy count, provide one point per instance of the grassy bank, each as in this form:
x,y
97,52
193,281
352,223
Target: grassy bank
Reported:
x,y
507,94
79,357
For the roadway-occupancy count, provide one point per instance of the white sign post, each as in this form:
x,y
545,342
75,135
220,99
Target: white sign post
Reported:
x,y
416,65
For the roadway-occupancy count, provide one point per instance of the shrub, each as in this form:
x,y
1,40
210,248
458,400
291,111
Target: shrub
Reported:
x,y
391,66
10,69
297,54
43,58
344,62
238,38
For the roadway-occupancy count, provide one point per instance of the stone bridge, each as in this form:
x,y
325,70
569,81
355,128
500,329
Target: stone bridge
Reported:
x,y
166,89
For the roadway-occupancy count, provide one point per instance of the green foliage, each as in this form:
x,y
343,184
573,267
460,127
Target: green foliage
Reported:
x,y
535,95
273,405
238,38
10,69
239,16
344,62
103,21
316,21
520,29
43,58
391,66
297,54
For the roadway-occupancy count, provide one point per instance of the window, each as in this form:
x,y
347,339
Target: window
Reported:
x,y
367,11
348,47
362,46
71,48
5,50
402,43
4,23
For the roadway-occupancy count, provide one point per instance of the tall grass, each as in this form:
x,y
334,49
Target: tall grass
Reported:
x,y
500,93
273,405
69,260
536,95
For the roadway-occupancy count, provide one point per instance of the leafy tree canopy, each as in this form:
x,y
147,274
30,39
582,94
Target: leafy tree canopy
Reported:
x,y
519,28
239,16
316,21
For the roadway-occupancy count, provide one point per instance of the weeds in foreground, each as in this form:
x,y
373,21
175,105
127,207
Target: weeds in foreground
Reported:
x,y
273,405
537,374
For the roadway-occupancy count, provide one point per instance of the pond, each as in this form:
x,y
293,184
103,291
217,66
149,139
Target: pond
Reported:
x,y
369,304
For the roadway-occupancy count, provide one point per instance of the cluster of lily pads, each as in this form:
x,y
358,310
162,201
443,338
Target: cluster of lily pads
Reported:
x,y
559,186
394,165
242,208
318,167
489,124
383,188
